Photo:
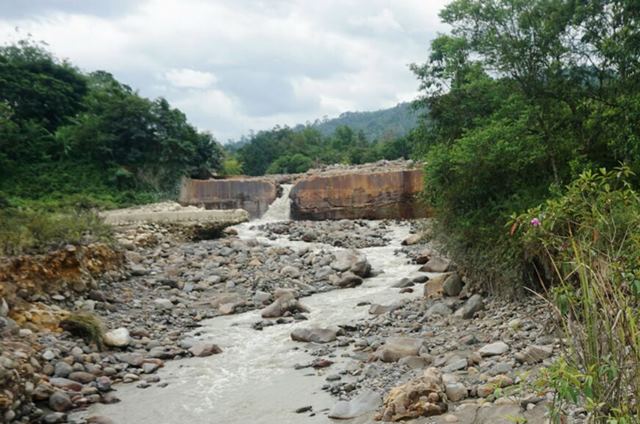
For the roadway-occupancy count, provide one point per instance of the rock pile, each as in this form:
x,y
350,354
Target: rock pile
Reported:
x,y
344,233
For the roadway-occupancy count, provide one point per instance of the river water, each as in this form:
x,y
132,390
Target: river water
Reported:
x,y
254,380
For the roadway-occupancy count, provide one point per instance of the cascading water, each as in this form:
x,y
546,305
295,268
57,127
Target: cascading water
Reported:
x,y
254,380
280,209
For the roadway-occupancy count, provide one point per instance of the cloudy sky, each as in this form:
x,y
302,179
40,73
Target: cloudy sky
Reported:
x,y
236,65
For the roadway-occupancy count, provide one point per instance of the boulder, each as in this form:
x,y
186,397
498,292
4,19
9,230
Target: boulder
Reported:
x,y
60,401
351,260
398,347
438,309
434,287
456,391
283,304
424,256
452,285
314,335
202,350
493,349
412,239
348,280
420,397
436,264
367,401
471,306
117,338
533,354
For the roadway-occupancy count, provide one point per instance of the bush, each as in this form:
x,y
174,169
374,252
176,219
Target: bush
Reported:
x,y
292,164
31,231
85,325
474,185
588,238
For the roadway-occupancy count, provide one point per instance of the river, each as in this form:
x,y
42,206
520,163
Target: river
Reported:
x,y
254,379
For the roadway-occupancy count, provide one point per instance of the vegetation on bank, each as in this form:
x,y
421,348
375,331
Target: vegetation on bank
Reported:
x,y
67,136
35,231
532,155
523,97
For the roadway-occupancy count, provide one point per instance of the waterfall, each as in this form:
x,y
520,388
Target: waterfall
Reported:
x,y
280,209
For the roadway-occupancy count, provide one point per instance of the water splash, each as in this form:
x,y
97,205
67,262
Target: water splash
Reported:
x,y
280,209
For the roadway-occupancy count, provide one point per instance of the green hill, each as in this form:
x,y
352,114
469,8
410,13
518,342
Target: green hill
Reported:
x,y
380,124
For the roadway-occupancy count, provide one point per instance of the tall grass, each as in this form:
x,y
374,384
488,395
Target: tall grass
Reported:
x,y
586,246
598,309
33,231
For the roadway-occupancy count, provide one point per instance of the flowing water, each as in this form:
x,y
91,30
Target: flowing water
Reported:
x,y
254,380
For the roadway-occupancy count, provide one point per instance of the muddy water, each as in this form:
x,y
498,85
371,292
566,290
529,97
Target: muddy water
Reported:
x,y
254,380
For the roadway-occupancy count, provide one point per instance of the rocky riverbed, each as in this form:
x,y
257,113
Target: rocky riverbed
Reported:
x,y
258,314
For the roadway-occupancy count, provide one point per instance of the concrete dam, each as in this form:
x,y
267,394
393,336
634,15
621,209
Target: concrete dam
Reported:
x,y
374,191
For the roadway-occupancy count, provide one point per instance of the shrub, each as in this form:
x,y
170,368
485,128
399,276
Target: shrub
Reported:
x,y
85,325
588,239
25,230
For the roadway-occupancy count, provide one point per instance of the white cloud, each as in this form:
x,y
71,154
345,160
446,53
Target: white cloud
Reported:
x,y
189,78
235,65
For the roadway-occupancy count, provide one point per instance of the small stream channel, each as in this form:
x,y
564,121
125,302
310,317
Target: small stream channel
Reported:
x,y
254,380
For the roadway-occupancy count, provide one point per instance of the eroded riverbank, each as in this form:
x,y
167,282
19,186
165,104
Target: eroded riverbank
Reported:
x,y
185,299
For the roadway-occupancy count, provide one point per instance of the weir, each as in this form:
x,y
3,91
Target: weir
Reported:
x,y
384,192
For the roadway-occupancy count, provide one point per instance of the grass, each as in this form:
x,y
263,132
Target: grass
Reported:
x,y
34,231
598,307
85,325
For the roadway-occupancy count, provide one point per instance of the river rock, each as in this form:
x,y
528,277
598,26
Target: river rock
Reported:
x,y
471,306
103,383
315,335
82,377
117,338
452,286
412,239
65,384
436,264
60,402
533,354
455,391
423,256
351,260
493,349
367,401
284,303
55,418
438,308
420,397
62,369
348,280
398,347
202,350
434,287
290,271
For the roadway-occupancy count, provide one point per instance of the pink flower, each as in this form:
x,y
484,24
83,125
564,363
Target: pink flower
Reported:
x,y
535,222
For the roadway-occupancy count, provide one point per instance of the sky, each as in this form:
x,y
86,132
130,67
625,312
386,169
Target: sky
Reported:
x,y
238,65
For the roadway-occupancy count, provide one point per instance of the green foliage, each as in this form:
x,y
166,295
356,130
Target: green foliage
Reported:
x,y
65,134
523,96
283,149
231,166
599,209
292,164
29,231
586,242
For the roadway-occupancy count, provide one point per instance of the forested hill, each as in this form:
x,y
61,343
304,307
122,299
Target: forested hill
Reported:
x,y
380,124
